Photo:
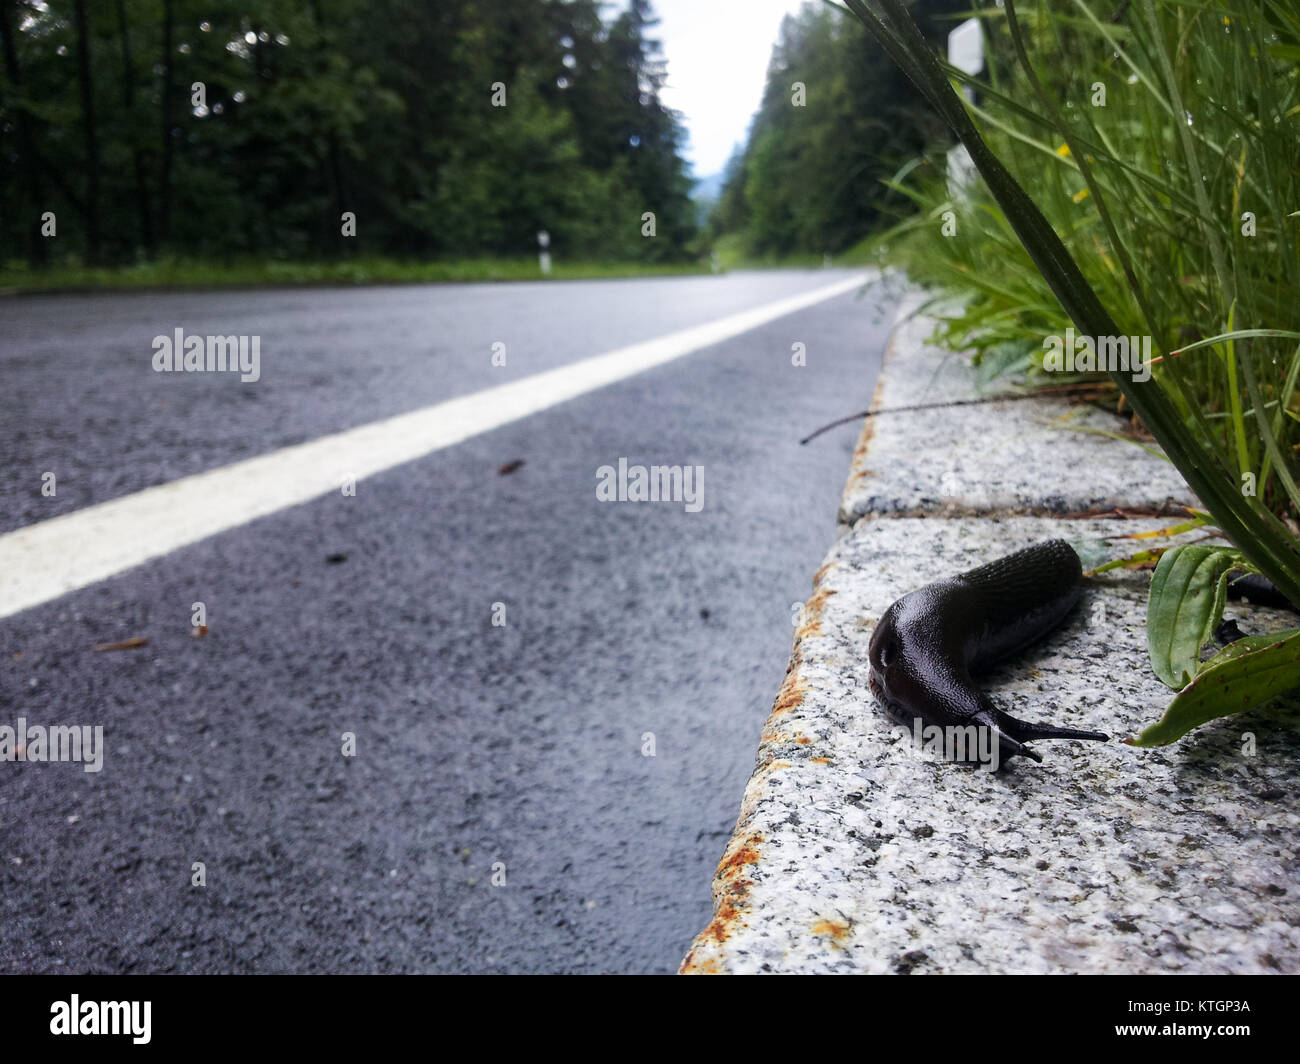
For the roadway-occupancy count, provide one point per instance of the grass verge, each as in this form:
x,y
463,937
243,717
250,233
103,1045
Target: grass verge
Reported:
x,y
182,273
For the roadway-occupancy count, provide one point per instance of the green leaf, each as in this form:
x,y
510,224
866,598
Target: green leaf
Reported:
x,y
1186,600
1146,557
1243,675
1238,334
1247,645
1132,561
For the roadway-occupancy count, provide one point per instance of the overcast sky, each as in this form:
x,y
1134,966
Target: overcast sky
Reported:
x,y
717,53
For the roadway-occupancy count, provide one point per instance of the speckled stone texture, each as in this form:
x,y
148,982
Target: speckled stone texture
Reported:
x,y
856,853
1024,455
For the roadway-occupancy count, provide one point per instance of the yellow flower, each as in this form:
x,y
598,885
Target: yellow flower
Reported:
x,y
1081,195
1063,151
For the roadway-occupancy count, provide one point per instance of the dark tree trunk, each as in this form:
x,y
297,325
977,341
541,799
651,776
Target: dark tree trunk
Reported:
x,y
342,244
90,133
31,167
137,158
165,177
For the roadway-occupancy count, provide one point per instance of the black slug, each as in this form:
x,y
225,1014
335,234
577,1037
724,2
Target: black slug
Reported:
x,y
929,642
1259,591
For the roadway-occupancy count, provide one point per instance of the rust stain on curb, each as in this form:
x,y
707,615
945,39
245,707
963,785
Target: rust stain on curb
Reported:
x,y
731,885
741,859
857,466
790,696
836,929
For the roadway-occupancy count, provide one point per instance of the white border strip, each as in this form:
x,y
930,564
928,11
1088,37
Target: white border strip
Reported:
x,y
49,559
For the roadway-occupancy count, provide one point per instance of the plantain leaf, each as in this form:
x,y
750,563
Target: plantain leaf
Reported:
x,y
1186,600
1243,675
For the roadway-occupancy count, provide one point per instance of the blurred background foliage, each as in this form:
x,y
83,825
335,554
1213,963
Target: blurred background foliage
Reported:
x,y
316,107
382,107
809,179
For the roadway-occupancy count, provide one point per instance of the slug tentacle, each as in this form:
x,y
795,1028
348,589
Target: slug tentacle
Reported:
x,y
1023,731
929,642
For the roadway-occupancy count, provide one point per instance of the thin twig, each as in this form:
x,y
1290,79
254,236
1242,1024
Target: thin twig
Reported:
x,y
1003,397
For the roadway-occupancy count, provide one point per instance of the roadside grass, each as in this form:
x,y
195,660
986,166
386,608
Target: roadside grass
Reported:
x,y
732,256
1141,168
1183,213
187,273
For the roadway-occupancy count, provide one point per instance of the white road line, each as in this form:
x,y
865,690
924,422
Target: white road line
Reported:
x,y
43,561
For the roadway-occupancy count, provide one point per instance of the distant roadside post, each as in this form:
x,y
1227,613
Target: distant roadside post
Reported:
x,y
966,53
543,255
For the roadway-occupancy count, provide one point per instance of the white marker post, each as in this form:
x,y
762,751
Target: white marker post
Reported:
x,y
544,256
966,53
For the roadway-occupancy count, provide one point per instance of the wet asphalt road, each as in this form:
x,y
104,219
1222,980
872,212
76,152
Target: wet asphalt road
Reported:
x,y
516,746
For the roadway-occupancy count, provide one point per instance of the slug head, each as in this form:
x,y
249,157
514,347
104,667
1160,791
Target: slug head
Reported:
x,y
915,670
887,675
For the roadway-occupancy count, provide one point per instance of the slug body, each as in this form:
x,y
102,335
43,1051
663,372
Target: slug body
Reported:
x,y
1259,591
927,645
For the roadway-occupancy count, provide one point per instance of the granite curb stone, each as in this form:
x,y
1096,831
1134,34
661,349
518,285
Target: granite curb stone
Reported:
x,y
1023,456
854,852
